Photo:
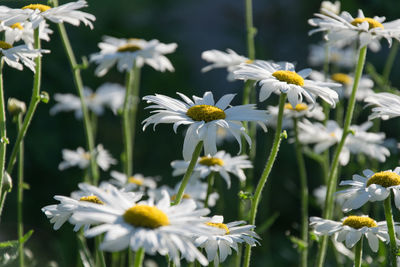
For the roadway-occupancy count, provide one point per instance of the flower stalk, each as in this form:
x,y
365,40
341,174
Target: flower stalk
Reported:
x,y
358,253
139,256
210,183
390,224
20,195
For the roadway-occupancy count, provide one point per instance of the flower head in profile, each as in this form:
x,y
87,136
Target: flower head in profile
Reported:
x,y
37,13
109,95
346,29
219,59
372,187
219,246
282,78
204,116
24,31
127,53
222,163
81,158
155,227
385,105
136,182
350,229
339,56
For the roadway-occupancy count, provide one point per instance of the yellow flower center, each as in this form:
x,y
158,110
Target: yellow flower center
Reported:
x,y
205,113
17,26
385,179
5,46
289,77
341,78
185,196
333,135
299,107
220,226
371,22
128,48
358,222
134,180
40,7
93,199
249,61
86,156
146,216
210,161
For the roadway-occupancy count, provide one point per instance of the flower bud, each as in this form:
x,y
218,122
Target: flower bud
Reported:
x,y
15,106
7,182
332,7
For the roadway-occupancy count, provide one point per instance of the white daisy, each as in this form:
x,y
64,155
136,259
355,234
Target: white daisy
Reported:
x,y
24,31
203,116
60,213
372,187
219,246
20,55
222,163
36,13
219,59
282,78
347,30
129,52
341,57
386,105
370,144
157,228
109,95
350,229
136,181
81,158
332,7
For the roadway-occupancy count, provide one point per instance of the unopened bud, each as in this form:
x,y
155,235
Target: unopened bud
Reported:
x,y
7,182
332,7
15,106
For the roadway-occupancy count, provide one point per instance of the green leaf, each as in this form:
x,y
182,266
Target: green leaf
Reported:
x,y
298,243
14,243
245,195
268,223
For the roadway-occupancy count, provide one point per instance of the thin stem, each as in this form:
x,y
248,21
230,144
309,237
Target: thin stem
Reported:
x,y
76,73
100,260
390,60
3,132
251,31
358,253
332,179
188,174
126,124
390,225
139,256
303,194
210,183
264,177
20,194
135,102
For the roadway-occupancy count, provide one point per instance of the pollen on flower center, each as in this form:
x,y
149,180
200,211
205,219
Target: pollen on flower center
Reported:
x,y
205,113
210,161
93,199
371,22
40,7
289,77
341,78
385,179
17,26
358,222
134,180
5,46
145,216
299,107
249,61
128,48
220,226
86,156
185,196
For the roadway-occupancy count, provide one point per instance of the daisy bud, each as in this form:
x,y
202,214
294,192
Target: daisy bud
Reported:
x,y
7,182
15,106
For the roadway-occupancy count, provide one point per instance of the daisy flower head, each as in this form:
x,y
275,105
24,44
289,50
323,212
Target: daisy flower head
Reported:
x,y
282,78
20,55
371,187
350,229
109,95
136,181
339,56
155,227
346,29
24,31
386,105
222,163
81,158
204,116
127,53
219,246
219,59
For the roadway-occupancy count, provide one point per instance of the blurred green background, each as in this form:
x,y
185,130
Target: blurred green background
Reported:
x,y
195,26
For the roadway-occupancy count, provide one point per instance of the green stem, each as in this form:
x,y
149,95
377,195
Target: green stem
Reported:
x,y
303,193
139,256
390,225
3,132
188,174
358,253
390,60
251,31
266,172
332,179
76,73
20,194
100,260
210,183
